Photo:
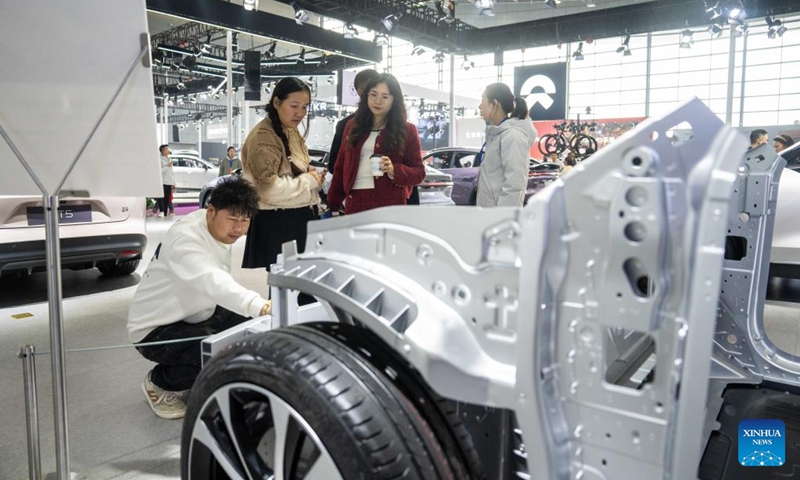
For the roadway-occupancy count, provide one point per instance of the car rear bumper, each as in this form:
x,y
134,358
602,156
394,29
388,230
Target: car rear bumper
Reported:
x,y
77,253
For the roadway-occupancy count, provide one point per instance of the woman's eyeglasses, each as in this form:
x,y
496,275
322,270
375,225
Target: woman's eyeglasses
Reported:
x,y
383,98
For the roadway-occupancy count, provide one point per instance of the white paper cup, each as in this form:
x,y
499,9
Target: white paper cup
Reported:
x,y
376,166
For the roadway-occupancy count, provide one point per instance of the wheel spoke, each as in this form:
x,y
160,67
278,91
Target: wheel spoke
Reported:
x,y
203,434
223,399
281,417
323,469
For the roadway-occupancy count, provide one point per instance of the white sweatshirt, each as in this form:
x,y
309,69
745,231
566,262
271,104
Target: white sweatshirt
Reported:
x,y
187,278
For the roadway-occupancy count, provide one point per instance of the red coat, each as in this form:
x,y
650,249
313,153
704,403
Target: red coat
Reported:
x,y
408,171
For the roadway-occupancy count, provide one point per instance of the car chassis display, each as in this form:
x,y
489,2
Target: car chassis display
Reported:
x,y
600,324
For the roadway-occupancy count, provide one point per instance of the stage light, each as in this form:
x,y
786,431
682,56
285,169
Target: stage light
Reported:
x,y
578,54
686,39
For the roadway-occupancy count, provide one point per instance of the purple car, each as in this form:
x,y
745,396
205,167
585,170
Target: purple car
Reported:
x,y
460,163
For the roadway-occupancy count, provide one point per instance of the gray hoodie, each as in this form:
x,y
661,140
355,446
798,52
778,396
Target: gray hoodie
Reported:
x,y
504,168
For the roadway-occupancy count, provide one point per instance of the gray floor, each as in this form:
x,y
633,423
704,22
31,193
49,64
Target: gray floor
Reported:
x,y
113,433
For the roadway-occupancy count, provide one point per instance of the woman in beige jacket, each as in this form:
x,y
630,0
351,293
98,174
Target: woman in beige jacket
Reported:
x,y
275,159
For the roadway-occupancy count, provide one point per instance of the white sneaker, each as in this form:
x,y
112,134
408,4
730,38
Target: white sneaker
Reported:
x,y
165,404
160,214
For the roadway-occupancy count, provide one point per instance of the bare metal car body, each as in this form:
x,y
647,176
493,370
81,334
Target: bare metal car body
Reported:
x,y
606,315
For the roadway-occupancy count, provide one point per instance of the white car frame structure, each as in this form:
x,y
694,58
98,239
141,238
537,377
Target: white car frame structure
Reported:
x,y
603,320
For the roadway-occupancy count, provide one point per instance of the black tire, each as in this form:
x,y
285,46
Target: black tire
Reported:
x,y
118,269
363,423
550,143
439,413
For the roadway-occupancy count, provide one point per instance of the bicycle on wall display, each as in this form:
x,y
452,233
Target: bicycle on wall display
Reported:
x,y
575,136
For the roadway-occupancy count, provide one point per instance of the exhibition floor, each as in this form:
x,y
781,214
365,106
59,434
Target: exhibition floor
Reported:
x,y
113,433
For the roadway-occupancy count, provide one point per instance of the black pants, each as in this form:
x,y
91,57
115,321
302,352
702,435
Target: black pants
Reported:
x,y
179,363
165,203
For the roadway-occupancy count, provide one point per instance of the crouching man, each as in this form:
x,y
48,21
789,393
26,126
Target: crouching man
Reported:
x,y
187,291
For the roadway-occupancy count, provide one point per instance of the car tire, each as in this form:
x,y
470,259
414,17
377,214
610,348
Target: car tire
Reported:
x,y
473,198
119,269
439,413
336,415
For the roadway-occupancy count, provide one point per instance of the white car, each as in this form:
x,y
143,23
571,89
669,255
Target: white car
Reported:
x,y
191,172
103,232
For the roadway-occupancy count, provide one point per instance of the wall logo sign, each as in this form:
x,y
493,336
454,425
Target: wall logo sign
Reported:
x,y
544,88
762,443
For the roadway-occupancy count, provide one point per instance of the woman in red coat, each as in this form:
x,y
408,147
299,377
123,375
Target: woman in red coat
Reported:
x,y
379,128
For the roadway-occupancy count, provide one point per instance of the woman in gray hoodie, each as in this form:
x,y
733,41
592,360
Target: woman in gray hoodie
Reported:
x,y
506,154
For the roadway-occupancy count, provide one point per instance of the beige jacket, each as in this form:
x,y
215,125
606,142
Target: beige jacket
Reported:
x,y
266,165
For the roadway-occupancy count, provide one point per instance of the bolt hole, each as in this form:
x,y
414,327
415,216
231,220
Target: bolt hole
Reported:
x,y
604,462
637,161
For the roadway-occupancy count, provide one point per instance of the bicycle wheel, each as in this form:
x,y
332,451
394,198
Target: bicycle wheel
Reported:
x,y
548,144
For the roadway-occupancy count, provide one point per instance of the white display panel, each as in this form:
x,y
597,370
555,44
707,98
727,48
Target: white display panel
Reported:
x,y
61,64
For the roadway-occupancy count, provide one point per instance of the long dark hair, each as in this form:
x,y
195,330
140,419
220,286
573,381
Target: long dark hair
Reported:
x,y
516,106
395,120
285,87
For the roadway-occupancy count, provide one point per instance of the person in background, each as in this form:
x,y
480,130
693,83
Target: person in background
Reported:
x,y
230,163
569,162
379,128
168,181
362,79
275,159
187,292
503,173
758,137
782,142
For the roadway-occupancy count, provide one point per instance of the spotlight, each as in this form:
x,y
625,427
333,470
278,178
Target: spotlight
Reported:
x,y
181,85
686,39
330,80
350,31
624,47
736,15
381,39
194,99
485,7
301,60
271,52
438,57
627,52
740,30
300,15
551,3
466,65
206,45
578,54
715,30
776,27
251,4
390,21
267,90
235,42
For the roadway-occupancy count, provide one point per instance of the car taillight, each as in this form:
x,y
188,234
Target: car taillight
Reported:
x,y
128,253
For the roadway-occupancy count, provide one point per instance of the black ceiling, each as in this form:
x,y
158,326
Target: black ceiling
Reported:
x,y
419,23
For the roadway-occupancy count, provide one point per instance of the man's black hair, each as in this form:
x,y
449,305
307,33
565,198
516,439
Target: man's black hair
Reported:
x,y
756,134
230,148
161,148
236,195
